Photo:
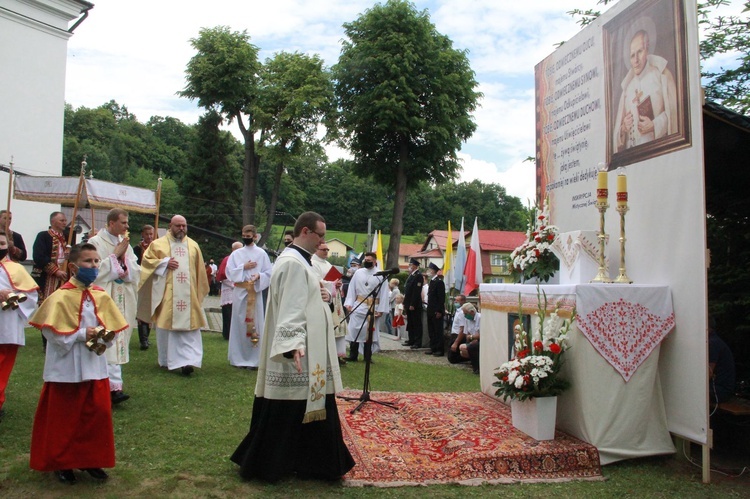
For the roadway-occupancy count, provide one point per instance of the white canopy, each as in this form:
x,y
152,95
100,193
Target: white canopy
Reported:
x,y
96,193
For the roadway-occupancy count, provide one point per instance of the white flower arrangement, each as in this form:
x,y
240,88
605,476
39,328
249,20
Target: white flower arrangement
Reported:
x,y
534,371
534,258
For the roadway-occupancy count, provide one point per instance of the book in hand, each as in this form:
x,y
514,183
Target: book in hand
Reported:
x,y
333,274
646,109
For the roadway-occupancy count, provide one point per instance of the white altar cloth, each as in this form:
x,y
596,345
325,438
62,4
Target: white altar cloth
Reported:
x,y
623,418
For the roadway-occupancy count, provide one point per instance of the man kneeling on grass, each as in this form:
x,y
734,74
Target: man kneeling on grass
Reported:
x,y
73,421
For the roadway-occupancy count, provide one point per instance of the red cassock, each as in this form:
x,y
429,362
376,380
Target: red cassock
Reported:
x,y
73,427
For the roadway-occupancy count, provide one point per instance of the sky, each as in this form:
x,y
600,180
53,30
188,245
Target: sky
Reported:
x,y
135,52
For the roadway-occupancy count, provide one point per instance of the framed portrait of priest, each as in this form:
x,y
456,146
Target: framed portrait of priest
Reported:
x,y
645,64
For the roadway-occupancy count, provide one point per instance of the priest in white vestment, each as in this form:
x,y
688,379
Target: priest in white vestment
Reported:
x,y
648,105
119,275
173,286
249,268
358,301
295,427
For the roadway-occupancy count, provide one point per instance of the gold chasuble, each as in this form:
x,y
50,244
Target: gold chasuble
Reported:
x,y
173,301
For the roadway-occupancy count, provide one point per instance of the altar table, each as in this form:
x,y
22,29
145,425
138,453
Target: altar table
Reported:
x,y
615,401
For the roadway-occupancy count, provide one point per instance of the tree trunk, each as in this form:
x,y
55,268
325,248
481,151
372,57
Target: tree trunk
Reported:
x,y
274,200
250,167
399,202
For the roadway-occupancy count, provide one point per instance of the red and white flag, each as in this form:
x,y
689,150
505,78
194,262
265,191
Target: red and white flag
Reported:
x,y
473,269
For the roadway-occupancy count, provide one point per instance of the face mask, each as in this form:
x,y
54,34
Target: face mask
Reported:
x,y
87,275
368,265
469,317
248,240
3,253
287,243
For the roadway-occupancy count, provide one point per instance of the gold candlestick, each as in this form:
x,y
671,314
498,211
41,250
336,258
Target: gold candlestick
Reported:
x,y
622,278
602,275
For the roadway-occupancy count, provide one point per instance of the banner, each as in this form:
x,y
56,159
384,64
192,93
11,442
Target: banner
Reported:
x,y
624,96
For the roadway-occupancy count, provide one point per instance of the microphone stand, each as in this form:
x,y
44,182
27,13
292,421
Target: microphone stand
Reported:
x,y
370,318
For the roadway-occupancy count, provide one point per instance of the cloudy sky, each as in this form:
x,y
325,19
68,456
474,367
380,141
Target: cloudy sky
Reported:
x,y
136,51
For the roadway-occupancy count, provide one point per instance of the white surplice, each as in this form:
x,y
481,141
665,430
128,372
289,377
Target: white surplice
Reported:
x,y
242,352
362,283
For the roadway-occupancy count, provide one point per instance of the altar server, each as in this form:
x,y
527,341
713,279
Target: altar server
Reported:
x,y
16,287
73,421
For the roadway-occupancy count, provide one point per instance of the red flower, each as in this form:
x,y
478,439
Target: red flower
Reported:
x,y
523,353
550,237
538,346
541,217
555,348
536,252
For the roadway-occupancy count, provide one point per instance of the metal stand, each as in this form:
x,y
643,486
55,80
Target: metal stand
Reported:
x,y
602,275
365,397
623,277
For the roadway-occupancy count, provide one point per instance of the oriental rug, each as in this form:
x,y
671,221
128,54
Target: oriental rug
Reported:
x,y
466,438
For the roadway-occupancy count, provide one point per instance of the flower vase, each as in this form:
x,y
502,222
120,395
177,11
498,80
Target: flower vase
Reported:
x,y
535,417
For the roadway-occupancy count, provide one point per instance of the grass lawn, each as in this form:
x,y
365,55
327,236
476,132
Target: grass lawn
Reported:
x,y
175,435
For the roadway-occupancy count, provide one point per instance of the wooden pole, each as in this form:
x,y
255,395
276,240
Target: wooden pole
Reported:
x,y
78,200
158,204
8,233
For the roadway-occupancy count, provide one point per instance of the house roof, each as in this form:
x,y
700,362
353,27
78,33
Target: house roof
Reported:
x,y
489,240
408,249
349,248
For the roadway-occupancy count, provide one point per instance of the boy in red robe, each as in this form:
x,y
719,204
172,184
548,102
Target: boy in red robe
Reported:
x,y
73,421
14,280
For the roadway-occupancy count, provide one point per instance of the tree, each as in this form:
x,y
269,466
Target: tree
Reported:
x,y
206,185
729,86
223,76
295,95
405,97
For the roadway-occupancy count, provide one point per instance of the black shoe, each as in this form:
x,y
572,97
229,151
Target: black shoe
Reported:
x,y
66,476
438,354
97,473
351,359
119,396
414,347
342,361
429,352
407,344
145,345
187,370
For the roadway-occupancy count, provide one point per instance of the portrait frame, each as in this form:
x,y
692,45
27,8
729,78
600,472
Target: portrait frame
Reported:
x,y
667,34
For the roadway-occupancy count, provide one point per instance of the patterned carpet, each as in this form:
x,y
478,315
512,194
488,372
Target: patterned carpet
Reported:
x,y
453,438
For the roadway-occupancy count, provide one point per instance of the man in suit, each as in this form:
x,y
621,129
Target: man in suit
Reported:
x,y
413,305
435,311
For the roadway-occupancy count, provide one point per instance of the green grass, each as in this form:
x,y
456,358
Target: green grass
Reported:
x,y
175,435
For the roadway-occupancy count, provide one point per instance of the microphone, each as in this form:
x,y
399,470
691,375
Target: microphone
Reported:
x,y
394,270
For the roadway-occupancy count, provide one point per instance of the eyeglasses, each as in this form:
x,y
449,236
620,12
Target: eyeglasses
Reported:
x,y
322,236
323,249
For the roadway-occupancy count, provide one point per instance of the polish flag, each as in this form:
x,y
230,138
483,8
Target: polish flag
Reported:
x,y
473,269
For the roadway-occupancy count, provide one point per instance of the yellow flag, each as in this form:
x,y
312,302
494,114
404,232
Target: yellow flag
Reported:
x,y
379,251
448,258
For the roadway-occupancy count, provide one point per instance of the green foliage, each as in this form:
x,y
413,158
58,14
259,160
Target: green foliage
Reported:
x,y
405,97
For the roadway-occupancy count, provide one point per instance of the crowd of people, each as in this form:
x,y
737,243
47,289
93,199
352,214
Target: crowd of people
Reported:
x,y
291,321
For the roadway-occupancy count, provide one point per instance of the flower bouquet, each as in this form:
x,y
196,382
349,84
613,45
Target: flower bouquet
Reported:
x,y
534,258
535,369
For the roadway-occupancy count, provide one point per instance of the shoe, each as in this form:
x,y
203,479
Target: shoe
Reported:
x,y
429,352
414,347
351,359
406,344
66,476
187,370
118,396
96,473
438,354
342,361
145,345
252,368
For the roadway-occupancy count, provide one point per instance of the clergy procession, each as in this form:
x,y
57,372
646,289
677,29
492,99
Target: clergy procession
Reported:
x,y
288,321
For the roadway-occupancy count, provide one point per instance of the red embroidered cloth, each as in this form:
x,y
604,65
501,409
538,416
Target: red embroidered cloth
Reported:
x,y
624,323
